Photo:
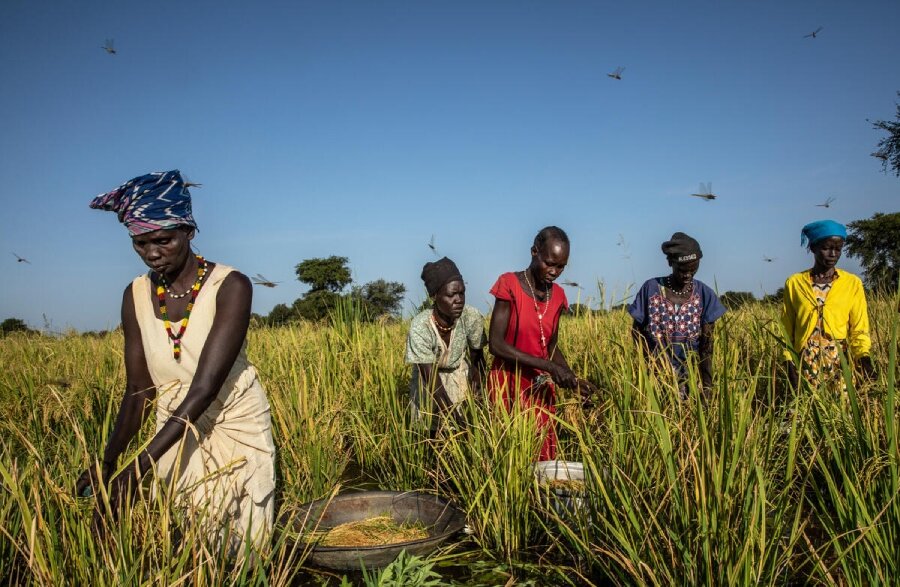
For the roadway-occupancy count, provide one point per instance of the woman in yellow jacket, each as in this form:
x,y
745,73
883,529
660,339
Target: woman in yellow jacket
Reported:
x,y
825,308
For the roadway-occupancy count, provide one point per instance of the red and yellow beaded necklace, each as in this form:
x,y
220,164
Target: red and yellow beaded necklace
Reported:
x,y
161,295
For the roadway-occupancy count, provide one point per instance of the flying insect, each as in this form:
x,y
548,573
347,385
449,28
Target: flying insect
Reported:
x,y
617,74
813,34
261,280
705,192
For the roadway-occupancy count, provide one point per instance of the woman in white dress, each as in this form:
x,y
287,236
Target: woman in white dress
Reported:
x,y
185,324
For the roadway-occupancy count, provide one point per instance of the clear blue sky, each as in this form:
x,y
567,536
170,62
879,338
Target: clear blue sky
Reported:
x,y
362,128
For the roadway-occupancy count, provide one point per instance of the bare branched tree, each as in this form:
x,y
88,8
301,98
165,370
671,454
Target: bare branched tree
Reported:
x,y
889,147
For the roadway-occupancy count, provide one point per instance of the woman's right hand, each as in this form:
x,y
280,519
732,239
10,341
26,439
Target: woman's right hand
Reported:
x,y
563,376
91,479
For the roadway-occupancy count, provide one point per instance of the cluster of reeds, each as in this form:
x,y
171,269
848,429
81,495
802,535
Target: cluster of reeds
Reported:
x,y
749,486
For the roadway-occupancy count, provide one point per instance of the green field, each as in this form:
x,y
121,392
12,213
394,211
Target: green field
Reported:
x,y
748,491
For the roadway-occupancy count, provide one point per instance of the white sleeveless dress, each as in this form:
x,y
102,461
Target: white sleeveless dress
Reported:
x,y
223,470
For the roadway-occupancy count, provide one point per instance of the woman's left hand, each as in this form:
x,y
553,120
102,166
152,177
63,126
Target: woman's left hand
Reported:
x,y
866,368
587,390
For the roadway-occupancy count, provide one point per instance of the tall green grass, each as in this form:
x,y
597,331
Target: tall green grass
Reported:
x,y
740,490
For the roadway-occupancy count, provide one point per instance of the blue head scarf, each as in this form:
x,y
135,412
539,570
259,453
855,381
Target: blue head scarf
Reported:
x,y
150,202
821,229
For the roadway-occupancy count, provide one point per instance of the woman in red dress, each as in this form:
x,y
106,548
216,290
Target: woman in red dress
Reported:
x,y
524,326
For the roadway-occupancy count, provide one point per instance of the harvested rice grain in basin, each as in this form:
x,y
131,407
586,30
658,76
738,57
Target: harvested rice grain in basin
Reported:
x,y
377,531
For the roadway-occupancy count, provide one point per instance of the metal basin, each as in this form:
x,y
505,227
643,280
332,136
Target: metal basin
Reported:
x,y
440,518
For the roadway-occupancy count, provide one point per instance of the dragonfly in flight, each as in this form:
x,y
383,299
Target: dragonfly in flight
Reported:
x,y
261,280
826,204
617,74
21,259
813,34
109,47
705,192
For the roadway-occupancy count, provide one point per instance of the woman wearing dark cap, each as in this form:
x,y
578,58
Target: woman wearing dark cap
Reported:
x,y
824,308
185,324
445,346
524,327
674,315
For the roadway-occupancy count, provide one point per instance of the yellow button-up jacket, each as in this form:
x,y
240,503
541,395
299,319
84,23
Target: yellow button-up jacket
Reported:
x,y
844,314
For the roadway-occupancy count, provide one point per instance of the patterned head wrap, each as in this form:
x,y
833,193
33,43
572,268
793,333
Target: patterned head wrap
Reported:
x,y
682,248
821,229
150,202
437,274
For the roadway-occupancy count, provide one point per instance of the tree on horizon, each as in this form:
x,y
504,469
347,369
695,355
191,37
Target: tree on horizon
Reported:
x,y
875,242
889,147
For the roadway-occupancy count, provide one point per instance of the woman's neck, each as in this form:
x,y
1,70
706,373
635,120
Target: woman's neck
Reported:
x,y
186,275
540,287
441,319
822,271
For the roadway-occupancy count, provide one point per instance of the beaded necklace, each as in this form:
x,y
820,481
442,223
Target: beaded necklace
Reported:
x,y
438,324
161,290
687,289
540,314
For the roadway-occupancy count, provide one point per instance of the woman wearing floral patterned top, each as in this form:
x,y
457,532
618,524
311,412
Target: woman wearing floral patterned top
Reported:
x,y
674,315
445,345
824,308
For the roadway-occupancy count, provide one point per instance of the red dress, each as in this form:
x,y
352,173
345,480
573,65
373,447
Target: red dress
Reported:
x,y
524,333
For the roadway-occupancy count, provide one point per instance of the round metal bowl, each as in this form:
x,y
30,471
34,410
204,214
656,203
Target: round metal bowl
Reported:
x,y
440,517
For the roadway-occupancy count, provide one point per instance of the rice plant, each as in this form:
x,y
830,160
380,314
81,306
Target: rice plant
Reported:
x,y
743,488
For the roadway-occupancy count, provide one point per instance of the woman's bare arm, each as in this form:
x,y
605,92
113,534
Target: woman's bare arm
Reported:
x,y
224,342
136,401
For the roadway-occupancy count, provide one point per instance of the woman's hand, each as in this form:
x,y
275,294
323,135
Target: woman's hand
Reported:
x,y
866,368
588,391
563,376
786,384
121,494
92,478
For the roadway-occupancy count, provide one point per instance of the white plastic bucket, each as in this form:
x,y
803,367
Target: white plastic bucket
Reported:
x,y
566,503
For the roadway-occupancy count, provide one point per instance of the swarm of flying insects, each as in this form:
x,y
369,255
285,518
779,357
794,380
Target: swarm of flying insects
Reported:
x,y
21,259
109,47
259,279
826,204
813,34
705,192
617,74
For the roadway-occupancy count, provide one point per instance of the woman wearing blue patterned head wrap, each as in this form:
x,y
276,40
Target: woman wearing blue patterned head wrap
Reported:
x,y
185,325
824,310
150,202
